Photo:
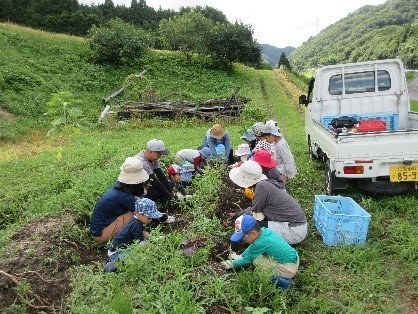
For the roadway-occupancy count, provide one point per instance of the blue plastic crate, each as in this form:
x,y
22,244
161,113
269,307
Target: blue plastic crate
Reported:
x,y
340,220
391,119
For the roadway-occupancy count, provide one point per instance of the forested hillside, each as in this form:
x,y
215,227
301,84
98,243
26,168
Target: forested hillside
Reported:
x,y
388,30
272,54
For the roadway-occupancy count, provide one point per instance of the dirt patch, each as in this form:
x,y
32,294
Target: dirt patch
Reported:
x,y
7,115
35,266
291,90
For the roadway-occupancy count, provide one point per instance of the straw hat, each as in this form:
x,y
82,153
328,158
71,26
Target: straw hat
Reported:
x,y
132,171
248,174
217,131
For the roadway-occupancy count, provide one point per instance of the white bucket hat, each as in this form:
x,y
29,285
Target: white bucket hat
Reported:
x,y
243,149
271,129
248,174
132,171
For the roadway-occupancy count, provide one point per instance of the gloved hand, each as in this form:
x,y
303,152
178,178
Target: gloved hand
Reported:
x,y
249,193
233,256
226,264
170,219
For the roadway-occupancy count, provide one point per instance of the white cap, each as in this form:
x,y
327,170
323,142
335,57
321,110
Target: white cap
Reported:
x,y
271,129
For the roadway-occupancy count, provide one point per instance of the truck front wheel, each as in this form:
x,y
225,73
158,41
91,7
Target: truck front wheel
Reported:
x,y
329,179
312,156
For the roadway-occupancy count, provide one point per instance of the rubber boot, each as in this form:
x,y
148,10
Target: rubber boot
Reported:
x,y
281,282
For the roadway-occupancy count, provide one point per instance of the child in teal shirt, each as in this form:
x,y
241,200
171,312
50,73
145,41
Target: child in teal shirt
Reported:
x,y
267,250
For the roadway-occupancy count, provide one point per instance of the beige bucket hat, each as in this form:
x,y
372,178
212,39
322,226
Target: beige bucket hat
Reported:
x,y
132,171
217,131
248,174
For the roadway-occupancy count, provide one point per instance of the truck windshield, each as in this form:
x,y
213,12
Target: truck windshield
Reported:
x,y
359,82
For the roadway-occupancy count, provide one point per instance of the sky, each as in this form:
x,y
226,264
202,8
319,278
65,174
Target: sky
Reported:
x,y
277,23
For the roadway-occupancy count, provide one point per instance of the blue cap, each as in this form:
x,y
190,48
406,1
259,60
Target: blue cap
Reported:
x,y
243,224
147,207
249,135
205,152
186,176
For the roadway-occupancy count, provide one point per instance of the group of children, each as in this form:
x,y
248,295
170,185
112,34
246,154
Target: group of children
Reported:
x,y
124,212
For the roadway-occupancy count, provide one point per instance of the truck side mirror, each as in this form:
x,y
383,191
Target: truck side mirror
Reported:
x,y
303,100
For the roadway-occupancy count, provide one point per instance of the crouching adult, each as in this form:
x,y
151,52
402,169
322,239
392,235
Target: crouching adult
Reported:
x,y
280,212
158,186
116,207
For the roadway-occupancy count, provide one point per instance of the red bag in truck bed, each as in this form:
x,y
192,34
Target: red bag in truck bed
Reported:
x,y
371,126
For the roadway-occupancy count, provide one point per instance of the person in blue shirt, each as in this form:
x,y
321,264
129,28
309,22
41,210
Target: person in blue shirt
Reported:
x,y
266,250
219,142
116,207
135,230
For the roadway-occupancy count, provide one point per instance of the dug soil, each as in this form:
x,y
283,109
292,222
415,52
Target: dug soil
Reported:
x,y
35,268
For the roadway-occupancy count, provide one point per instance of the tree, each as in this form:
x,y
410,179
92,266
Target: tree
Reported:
x,y
107,9
229,43
284,62
186,33
117,42
208,12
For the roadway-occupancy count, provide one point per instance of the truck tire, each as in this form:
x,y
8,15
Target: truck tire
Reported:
x,y
311,155
384,187
332,182
329,179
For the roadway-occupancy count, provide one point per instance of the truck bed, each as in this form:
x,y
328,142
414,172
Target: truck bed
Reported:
x,y
388,145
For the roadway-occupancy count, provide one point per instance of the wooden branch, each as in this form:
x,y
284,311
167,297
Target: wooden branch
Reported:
x,y
11,277
22,298
36,273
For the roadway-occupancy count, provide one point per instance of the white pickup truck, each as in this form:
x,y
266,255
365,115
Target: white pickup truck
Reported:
x,y
358,121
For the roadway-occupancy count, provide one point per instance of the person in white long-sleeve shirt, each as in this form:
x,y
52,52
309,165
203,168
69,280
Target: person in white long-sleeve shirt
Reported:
x,y
281,151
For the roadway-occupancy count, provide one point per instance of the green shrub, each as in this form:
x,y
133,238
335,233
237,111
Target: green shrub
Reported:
x,y
117,42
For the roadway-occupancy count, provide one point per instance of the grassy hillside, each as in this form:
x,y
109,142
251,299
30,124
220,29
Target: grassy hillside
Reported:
x,y
50,185
389,30
32,68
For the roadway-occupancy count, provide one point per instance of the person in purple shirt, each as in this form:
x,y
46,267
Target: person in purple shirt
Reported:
x,y
280,212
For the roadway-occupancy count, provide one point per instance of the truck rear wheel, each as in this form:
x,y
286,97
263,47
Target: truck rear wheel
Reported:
x,y
332,183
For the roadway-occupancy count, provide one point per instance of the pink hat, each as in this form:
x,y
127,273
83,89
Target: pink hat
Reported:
x,y
264,158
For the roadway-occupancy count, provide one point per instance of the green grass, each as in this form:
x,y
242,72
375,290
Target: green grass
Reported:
x,y
68,173
32,68
414,105
410,75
